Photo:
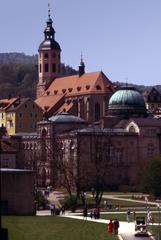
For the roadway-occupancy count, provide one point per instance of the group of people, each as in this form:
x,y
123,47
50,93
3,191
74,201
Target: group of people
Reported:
x,y
113,226
56,211
94,214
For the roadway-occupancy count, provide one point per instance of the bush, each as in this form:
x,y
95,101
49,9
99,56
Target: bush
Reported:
x,y
41,200
151,182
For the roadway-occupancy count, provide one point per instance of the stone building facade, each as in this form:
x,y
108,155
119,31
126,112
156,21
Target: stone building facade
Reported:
x,y
17,192
153,101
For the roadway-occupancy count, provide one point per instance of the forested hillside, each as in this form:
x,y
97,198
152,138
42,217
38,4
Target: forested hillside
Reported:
x,y
19,74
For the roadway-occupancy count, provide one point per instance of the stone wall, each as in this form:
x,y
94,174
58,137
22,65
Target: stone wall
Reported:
x,y
17,192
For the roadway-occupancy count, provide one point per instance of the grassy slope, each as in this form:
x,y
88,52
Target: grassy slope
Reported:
x,y
49,228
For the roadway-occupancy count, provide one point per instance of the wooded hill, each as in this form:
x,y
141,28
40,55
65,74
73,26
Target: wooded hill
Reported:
x,y
19,75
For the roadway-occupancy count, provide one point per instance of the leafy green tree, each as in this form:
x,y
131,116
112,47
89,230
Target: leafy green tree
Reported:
x,y
151,182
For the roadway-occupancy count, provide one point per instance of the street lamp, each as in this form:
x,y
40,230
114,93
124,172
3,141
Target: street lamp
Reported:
x,y
146,200
158,205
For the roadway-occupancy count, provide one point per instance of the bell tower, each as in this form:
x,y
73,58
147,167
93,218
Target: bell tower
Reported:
x,y
49,59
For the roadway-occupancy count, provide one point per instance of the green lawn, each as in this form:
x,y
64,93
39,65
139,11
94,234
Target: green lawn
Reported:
x,y
154,230
54,228
124,203
122,217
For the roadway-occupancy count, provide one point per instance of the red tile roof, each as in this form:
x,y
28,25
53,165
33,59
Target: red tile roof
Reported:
x,y
5,103
65,107
49,100
88,83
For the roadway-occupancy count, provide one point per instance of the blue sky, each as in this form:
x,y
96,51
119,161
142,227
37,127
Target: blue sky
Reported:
x,y
120,37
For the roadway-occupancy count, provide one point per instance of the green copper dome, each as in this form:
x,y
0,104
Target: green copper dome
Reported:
x,y
128,102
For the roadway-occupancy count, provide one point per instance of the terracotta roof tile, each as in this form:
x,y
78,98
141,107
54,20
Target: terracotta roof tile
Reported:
x,y
5,103
48,100
17,104
65,107
87,83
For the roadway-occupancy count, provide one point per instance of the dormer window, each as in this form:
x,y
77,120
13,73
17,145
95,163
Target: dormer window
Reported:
x,y
78,88
98,87
70,89
55,91
109,87
47,93
63,90
87,87
68,101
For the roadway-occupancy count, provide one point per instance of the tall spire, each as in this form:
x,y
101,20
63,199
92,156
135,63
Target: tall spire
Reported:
x,y
49,30
81,67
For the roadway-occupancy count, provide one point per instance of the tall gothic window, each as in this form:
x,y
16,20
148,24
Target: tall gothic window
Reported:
x,y
97,112
53,67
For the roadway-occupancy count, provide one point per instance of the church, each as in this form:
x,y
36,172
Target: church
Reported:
x,y
102,135
84,95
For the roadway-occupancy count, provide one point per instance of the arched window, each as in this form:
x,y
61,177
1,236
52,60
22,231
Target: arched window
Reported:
x,y
97,112
132,129
44,132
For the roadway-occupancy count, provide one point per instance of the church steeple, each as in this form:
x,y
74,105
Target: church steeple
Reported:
x,y
49,31
81,67
49,57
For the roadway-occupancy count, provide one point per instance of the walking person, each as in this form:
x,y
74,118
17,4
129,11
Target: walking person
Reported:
x,y
149,217
98,212
110,226
63,210
134,215
95,213
116,226
85,213
91,214
128,215
52,209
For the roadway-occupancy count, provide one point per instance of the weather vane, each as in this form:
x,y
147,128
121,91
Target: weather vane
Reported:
x,y
48,9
